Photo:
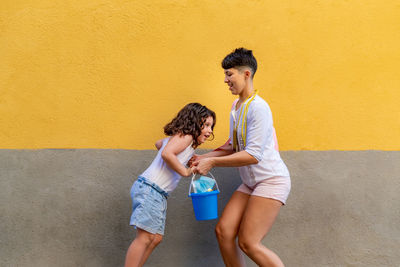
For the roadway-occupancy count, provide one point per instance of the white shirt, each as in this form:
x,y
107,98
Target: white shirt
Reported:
x,y
161,174
260,142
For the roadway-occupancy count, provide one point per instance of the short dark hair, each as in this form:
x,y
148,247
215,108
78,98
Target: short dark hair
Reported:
x,y
239,58
190,120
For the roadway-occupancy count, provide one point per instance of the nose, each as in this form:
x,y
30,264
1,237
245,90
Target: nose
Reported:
x,y
226,80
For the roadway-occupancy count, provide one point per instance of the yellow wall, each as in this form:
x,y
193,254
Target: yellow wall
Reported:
x,y
110,74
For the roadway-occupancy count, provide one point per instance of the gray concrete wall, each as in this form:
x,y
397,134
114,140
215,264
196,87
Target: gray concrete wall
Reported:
x,y
72,208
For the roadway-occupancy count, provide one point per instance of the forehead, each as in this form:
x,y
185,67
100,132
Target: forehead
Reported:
x,y
209,119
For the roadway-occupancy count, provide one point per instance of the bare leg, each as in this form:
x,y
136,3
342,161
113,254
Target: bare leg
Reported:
x,y
257,220
157,240
138,249
227,229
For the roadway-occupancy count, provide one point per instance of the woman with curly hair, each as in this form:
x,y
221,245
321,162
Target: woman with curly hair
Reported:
x,y
192,126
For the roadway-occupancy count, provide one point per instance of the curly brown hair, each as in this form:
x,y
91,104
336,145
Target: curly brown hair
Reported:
x,y
190,120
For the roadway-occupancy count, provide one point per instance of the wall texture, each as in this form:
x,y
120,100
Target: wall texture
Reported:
x,y
86,87
72,208
111,73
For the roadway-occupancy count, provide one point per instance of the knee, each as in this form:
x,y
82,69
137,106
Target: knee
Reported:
x,y
149,239
146,238
223,232
157,240
246,245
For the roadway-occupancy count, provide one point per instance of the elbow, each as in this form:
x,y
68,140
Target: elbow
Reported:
x,y
158,144
254,160
254,157
164,155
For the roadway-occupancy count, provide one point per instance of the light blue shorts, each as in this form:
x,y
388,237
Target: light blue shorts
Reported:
x,y
149,206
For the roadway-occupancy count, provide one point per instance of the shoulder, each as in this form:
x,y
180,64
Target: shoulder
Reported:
x,y
178,143
259,105
164,140
185,140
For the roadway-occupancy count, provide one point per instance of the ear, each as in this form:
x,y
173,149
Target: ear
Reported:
x,y
247,73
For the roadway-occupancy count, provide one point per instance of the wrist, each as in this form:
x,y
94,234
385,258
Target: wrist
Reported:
x,y
213,161
188,172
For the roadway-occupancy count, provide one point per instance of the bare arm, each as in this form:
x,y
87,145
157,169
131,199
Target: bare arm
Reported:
x,y
176,145
224,150
158,144
242,158
238,159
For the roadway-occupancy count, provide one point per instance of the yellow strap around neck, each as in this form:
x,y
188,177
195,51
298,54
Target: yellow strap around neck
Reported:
x,y
243,118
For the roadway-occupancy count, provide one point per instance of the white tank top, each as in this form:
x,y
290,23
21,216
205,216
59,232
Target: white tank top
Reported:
x,y
159,172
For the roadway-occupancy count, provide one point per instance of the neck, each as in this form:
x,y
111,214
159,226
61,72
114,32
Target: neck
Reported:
x,y
247,91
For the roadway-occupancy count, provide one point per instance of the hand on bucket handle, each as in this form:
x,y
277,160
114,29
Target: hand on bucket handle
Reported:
x,y
194,189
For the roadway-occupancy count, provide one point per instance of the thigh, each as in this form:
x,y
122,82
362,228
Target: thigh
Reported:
x,y
233,211
259,217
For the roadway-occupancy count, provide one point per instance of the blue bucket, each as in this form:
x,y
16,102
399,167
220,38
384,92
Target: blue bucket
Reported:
x,y
205,205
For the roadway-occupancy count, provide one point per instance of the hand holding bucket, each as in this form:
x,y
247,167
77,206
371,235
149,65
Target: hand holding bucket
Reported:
x,y
204,198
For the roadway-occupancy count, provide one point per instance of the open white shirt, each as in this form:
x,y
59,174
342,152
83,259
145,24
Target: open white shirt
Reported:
x,y
260,142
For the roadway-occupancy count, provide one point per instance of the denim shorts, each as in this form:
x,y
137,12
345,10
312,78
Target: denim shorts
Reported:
x,y
149,206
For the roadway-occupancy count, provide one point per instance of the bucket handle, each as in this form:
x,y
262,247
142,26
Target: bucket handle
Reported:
x,y
194,174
